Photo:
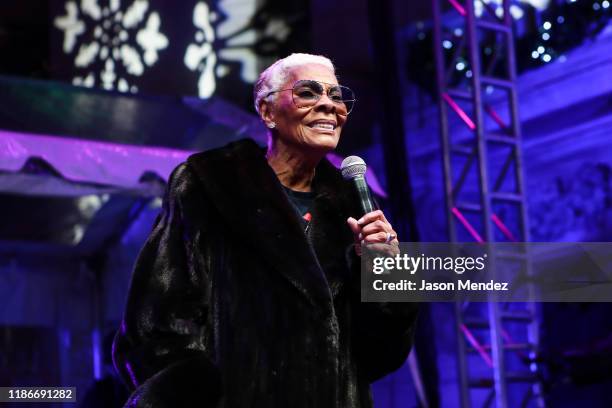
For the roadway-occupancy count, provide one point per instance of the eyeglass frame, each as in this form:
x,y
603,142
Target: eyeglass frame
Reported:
x,y
326,93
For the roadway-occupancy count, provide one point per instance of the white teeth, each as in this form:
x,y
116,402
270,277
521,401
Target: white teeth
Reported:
x,y
325,126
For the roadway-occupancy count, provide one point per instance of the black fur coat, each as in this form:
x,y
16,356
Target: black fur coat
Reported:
x,y
230,308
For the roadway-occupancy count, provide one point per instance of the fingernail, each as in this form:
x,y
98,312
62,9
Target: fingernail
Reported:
x,y
360,221
360,237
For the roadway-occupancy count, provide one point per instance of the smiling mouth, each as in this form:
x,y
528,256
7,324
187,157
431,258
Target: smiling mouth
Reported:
x,y
322,125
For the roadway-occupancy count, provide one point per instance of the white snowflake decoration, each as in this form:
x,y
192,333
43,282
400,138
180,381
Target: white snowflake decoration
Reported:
x,y
201,56
217,42
113,31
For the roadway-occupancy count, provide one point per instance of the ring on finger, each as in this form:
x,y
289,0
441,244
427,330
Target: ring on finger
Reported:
x,y
390,237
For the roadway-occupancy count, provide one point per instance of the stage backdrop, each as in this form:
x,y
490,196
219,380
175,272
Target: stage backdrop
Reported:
x,y
203,48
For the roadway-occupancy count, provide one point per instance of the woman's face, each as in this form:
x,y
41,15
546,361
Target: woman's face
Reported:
x,y
308,127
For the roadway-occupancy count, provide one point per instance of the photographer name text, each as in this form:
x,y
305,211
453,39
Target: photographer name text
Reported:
x,y
425,286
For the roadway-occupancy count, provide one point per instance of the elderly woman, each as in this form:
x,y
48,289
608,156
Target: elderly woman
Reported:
x,y
246,293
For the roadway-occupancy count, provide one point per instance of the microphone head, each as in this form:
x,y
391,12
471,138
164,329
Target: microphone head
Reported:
x,y
353,167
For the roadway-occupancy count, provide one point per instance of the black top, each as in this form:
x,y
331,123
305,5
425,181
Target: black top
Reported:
x,y
301,201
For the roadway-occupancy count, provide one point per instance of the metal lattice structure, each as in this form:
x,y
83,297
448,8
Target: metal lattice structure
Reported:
x,y
485,201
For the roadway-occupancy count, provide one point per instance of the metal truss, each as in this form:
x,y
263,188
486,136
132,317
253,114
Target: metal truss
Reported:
x,y
485,201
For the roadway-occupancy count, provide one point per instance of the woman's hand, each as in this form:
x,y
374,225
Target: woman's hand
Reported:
x,y
373,228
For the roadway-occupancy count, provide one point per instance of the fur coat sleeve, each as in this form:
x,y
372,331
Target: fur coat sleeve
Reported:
x,y
160,342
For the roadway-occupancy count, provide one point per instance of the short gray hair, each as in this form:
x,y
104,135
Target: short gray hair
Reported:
x,y
276,74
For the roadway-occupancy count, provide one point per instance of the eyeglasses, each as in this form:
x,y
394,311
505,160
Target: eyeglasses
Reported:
x,y
307,92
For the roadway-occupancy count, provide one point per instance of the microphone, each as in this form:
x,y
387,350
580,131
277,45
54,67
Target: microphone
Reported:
x,y
354,168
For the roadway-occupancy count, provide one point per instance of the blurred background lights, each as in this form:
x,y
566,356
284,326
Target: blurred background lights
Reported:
x,y
516,12
546,36
538,4
447,44
605,4
547,25
546,58
535,55
460,66
541,49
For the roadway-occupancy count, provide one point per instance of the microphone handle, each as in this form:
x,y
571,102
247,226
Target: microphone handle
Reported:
x,y
363,192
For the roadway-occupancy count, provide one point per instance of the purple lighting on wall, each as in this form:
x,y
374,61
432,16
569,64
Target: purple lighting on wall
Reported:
x,y
88,161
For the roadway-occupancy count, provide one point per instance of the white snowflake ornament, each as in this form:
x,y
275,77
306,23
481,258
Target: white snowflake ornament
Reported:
x,y
116,43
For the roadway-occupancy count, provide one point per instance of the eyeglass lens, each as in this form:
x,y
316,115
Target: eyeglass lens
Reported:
x,y
307,92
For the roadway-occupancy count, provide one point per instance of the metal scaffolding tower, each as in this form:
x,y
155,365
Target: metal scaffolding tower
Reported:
x,y
485,201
